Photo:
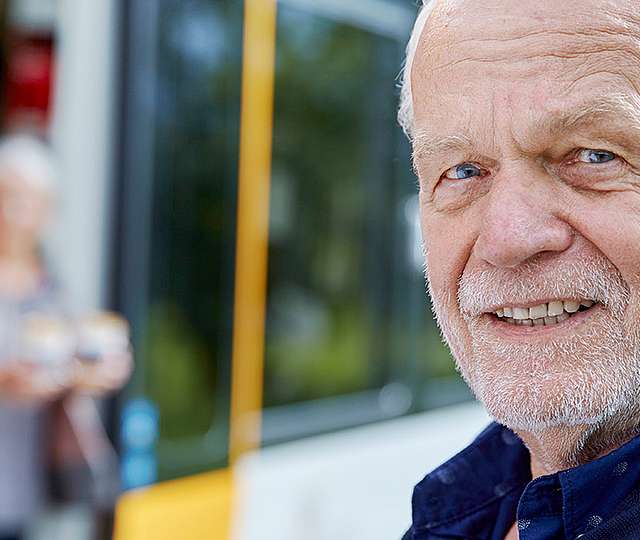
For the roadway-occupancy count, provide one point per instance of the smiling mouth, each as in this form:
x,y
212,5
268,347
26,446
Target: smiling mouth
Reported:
x,y
548,314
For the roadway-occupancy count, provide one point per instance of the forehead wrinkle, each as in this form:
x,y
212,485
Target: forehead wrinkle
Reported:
x,y
526,62
576,40
525,37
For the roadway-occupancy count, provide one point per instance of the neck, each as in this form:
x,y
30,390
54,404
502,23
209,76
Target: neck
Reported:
x,y
20,267
564,447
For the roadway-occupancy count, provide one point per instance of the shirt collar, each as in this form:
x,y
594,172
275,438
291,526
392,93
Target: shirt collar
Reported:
x,y
468,491
477,492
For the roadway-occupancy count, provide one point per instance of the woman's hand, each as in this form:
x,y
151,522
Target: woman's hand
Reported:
x,y
27,383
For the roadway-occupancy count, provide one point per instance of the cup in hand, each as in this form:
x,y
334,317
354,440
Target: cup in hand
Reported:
x,y
48,342
101,334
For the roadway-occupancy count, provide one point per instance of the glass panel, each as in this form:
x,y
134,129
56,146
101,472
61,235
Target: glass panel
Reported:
x,y
326,212
183,302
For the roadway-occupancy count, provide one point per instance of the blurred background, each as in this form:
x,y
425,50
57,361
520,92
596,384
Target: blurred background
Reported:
x,y
234,182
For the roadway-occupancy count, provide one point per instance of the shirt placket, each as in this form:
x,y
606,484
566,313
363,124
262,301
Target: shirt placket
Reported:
x,y
540,511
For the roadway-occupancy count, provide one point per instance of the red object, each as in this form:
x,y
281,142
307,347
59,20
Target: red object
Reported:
x,y
30,69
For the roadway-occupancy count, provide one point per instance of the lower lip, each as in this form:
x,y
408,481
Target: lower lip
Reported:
x,y
509,329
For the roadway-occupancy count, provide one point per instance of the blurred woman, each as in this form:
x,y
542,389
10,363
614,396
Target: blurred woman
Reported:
x,y
37,368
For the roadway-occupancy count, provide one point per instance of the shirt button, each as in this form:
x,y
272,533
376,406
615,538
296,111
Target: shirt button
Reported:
x,y
523,524
446,476
594,521
621,468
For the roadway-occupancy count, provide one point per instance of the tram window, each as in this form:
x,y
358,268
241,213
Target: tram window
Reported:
x,y
350,337
181,124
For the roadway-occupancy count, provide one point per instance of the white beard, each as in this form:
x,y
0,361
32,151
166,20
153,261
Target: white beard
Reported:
x,y
587,378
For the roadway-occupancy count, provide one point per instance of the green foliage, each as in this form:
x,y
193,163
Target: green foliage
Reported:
x,y
180,375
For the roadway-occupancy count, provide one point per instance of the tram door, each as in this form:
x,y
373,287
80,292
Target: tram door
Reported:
x,y
269,258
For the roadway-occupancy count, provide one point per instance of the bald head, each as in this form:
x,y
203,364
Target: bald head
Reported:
x,y
443,23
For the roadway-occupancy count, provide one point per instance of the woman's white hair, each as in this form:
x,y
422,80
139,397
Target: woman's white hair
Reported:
x,y
30,159
405,112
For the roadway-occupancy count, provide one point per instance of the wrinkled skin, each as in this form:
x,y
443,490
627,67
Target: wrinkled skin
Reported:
x,y
519,88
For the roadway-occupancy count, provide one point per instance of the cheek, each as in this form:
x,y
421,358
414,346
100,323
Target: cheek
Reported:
x,y
447,251
613,226
448,246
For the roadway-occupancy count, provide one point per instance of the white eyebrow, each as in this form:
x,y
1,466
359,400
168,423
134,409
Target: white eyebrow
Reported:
x,y
425,145
624,106
620,106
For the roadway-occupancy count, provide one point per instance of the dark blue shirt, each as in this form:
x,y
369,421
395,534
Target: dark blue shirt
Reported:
x,y
481,492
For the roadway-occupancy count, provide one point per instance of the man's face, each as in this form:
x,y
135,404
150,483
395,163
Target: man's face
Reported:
x,y
527,145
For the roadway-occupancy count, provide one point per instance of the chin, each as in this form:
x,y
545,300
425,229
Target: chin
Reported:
x,y
540,392
542,410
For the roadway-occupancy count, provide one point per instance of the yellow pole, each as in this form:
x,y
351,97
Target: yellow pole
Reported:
x,y
256,126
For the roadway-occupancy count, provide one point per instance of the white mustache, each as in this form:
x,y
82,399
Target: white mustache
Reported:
x,y
594,279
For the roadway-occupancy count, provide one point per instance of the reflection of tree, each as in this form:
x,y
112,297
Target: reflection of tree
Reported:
x,y
178,374
197,119
318,142
322,148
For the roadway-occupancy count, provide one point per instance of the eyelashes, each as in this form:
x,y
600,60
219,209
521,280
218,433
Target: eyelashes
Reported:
x,y
588,156
464,171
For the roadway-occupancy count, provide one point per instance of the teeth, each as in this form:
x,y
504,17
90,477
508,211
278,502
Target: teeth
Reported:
x,y
545,314
520,313
555,309
538,312
571,307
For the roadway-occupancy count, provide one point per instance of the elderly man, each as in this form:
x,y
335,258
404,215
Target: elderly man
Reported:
x,y
525,121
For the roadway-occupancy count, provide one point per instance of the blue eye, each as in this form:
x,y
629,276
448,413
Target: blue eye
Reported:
x,y
463,172
587,155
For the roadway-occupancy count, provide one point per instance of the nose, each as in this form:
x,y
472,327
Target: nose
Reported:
x,y
519,223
